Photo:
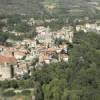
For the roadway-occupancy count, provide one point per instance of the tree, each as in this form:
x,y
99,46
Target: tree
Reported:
x,y
5,84
23,27
3,37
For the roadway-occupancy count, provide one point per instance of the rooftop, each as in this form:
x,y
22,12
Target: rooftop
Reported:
x,y
5,59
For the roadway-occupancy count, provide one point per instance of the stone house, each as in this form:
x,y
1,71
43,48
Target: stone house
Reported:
x,y
7,65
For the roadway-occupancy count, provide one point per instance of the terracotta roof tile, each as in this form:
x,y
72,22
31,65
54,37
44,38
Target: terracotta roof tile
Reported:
x,y
11,60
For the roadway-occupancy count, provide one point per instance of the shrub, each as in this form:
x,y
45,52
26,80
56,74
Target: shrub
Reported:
x,y
26,92
9,93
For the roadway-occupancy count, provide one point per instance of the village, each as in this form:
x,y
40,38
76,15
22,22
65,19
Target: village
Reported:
x,y
45,48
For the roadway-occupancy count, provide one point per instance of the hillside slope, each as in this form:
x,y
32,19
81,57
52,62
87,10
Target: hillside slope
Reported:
x,y
20,6
37,6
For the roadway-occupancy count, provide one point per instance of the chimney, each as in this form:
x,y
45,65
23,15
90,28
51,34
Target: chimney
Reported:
x,y
13,53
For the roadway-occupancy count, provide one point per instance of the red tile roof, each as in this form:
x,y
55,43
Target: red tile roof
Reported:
x,y
51,50
11,60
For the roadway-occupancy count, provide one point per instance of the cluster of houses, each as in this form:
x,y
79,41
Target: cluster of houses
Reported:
x,y
88,27
47,47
